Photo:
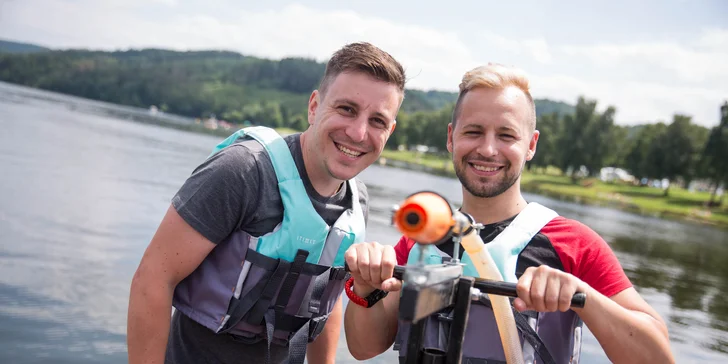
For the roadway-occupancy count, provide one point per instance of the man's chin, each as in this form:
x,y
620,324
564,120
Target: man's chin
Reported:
x,y
345,173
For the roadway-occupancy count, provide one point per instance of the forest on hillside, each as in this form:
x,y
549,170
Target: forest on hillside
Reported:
x,y
239,88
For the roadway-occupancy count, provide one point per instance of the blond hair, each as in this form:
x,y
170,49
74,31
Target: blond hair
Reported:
x,y
496,76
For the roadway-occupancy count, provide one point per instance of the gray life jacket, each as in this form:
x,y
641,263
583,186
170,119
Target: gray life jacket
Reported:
x,y
550,336
280,286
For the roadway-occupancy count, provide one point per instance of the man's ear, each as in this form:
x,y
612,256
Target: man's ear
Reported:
x,y
532,145
313,104
449,137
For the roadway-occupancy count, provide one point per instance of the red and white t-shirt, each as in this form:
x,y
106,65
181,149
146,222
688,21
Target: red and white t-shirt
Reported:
x,y
563,244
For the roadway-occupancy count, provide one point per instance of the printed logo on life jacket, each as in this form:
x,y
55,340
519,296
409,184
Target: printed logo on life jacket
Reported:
x,y
306,240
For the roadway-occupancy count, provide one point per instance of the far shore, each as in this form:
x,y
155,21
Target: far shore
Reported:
x,y
680,204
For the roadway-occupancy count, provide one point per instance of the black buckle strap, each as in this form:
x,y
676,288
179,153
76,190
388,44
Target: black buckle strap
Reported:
x,y
263,303
319,287
338,274
290,282
239,307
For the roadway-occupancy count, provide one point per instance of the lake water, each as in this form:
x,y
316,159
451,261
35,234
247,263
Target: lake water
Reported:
x,y
83,189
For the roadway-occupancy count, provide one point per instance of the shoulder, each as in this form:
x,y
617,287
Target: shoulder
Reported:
x,y
586,255
246,158
572,240
562,229
242,169
242,152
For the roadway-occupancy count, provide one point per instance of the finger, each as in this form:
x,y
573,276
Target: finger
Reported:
x,y
538,290
375,264
567,292
520,305
523,287
351,260
392,285
553,292
363,260
389,261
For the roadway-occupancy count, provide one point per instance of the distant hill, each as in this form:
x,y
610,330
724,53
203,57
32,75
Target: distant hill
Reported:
x,y
15,47
434,100
545,106
229,85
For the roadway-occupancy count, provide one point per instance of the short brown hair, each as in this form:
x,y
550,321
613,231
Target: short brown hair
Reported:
x,y
496,76
366,58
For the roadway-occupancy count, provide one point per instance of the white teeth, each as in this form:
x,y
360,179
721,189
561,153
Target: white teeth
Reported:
x,y
485,169
348,151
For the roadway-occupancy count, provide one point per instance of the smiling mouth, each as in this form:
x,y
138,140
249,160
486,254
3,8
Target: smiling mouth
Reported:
x,y
485,169
348,152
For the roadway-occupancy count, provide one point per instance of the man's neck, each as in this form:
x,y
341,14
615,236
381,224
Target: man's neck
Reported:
x,y
324,184
494,209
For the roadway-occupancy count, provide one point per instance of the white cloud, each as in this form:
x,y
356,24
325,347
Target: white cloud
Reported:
x,y
704,60
433,59
636,102
683,78
536,48
165,2
716,39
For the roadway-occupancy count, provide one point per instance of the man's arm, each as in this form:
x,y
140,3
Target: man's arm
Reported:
x,y
323,349
174,252
627,328
371,331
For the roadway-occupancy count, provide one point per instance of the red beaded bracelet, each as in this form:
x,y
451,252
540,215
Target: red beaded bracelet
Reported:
x,y
348,287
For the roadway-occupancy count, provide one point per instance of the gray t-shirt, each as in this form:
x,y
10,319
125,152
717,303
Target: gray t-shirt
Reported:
x,y
237,189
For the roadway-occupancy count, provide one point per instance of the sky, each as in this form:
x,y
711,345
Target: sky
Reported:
x,y
649,59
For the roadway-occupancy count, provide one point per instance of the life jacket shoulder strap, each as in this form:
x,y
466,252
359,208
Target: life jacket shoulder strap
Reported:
x,y
506,247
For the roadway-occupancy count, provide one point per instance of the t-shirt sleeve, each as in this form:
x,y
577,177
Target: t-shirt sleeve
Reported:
x,y
587,256
402,249
221,194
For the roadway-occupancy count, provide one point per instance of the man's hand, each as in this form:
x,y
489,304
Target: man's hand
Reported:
x,y
545,289
372,266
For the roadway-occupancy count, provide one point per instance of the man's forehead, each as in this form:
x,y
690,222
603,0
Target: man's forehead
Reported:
x,y
493,107
508,97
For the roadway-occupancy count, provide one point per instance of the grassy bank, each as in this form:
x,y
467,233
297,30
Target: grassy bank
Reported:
x,y
680,204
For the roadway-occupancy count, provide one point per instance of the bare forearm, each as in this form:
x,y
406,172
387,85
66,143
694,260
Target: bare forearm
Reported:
x,y
323,349
626,336
371,331
148,322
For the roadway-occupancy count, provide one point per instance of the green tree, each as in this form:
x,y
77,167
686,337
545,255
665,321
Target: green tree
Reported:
x,y
672,152
637,161
547,149
599,140
572,141
715,154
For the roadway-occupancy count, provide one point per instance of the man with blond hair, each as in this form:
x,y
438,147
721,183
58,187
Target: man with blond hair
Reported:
x,y
250,252
491,136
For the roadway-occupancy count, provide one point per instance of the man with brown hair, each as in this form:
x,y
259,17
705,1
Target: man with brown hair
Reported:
x,y
549,257
250,252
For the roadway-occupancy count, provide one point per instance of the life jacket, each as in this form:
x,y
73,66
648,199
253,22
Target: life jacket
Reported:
x,y
282,285
552,337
